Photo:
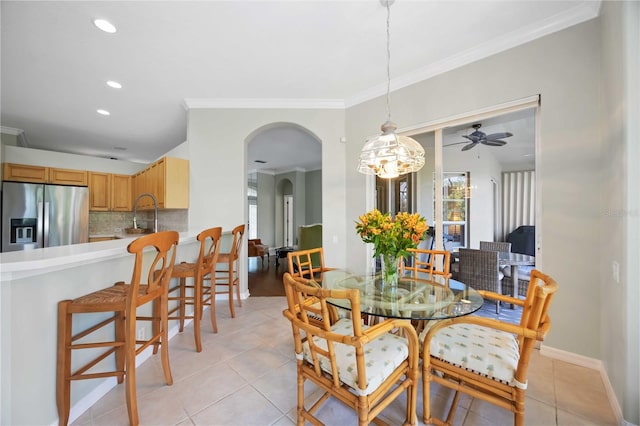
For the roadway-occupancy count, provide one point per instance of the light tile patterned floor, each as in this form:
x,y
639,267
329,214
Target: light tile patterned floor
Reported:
x,y
245,375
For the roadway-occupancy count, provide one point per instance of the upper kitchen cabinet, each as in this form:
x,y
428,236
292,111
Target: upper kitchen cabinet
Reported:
x,y
25,173
168,180
109,192
40,174
68,177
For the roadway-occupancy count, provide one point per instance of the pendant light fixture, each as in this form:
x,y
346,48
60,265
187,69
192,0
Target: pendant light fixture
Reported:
x,y
390,155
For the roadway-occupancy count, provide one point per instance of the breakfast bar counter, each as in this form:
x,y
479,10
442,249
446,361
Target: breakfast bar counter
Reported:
x,y
32,282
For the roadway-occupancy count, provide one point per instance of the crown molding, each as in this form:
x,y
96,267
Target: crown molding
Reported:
x,y
195,103
11,131
584,11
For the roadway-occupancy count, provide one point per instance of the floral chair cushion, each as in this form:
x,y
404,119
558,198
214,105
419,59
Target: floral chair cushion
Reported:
x,y
383,355
492,353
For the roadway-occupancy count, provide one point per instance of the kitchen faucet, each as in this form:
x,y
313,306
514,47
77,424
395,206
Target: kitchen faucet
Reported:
x,y
155,211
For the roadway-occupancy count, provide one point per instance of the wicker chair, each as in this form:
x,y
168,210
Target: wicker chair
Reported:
x,y
228,275
480,269
122,300
496,371
199,271
366,368
495,246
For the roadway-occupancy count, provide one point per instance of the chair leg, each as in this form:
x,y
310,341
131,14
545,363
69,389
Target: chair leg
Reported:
x,y
120,333
63,384
181,310
130,369
197,307
212,310
164,347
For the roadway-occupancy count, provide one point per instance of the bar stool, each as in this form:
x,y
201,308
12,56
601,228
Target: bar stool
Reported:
x,y
228,276
203,267
123,300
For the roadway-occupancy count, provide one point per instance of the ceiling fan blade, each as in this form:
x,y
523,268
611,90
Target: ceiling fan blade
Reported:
x,y
468,147
472,137
493,142
499,135
455,143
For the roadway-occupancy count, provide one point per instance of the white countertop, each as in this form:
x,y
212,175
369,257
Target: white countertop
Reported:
x,y
19,264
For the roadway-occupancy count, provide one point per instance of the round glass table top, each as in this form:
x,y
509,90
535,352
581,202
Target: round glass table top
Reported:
x,y
414,298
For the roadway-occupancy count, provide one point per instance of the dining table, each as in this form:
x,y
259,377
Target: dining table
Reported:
x,y
414,298
515,260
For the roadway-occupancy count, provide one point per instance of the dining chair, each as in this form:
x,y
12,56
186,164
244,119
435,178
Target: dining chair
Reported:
x,y
149,284
487,358
480,269
366,368
228,274
193,294
423,264
309,264
495,246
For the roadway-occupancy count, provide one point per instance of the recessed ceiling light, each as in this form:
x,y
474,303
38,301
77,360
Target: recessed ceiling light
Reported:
x,y
105,25
260,161
114,84
103,112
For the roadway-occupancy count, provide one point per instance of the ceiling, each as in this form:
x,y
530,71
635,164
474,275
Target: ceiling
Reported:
x,y
173,54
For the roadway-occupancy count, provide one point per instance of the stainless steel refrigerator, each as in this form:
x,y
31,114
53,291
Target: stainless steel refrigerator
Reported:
x,y
37,215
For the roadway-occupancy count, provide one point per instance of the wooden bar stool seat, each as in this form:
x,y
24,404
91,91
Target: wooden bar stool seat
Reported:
x,y
123,300
192,294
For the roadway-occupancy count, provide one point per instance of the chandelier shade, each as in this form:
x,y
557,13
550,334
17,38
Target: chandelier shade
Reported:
x,y
390,155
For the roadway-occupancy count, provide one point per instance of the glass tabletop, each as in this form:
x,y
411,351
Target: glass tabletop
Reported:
x,y
414,298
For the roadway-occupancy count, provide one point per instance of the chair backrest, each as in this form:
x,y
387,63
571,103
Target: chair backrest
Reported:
x,y
535,316
209,250
309,311
236,245
424,262
479,269
307,263
159,270
495,246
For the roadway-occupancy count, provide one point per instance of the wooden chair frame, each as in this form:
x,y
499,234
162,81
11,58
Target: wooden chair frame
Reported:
x,y
193,295
534,325
301,263
123,300
427,266
304,300
229,276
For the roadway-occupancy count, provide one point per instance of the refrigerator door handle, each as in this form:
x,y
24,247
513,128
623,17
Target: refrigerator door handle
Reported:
x,y
46,224
39,230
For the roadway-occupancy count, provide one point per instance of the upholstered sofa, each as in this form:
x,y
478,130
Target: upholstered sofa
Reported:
x,y
255,248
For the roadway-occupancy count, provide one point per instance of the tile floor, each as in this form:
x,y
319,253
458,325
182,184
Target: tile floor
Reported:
x,y
246,375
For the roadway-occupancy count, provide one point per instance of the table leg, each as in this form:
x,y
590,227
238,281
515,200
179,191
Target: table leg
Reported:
x,y
515,278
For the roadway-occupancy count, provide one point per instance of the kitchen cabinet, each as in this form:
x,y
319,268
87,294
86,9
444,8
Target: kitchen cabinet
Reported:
x,y
68,177
109,192
25,173
41,174
168,180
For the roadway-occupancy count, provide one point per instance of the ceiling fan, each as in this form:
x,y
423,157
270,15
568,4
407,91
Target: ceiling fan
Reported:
x,y
480,137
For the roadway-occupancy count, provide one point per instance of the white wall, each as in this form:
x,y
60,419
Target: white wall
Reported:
x,y
39,157
619,217
568,163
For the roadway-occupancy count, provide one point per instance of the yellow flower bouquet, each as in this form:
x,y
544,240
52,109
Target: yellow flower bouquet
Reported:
x,y
391,238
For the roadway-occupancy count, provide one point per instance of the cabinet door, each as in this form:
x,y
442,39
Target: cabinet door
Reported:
x,y
68,177
176,183
121,193
159,182
24,173
99,191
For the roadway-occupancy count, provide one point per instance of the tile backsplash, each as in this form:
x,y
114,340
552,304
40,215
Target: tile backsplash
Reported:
x,y
110,223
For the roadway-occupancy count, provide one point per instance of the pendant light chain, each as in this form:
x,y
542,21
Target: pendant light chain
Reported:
x,y
388,62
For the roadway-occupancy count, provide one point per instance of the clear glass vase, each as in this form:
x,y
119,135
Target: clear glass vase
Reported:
x,y
389,264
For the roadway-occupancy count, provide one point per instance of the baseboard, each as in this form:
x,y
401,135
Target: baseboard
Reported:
x,y
594,364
